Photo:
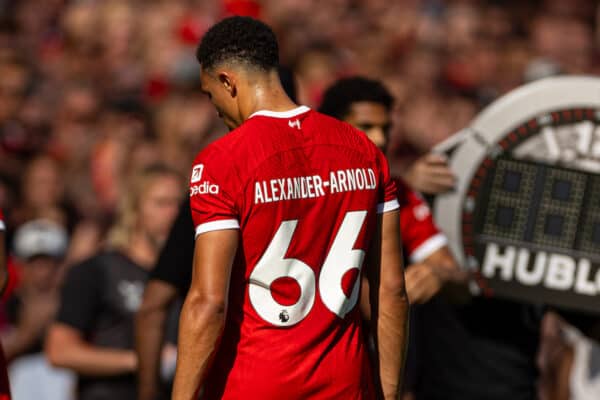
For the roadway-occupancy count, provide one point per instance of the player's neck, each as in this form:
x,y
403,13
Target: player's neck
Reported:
x,y
268,94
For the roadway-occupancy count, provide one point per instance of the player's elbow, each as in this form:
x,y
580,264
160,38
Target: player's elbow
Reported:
x,y
393,290
204,310
392,304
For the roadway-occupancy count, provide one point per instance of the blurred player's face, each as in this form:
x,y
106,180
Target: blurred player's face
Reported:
x,y
222,93
373,119
159,205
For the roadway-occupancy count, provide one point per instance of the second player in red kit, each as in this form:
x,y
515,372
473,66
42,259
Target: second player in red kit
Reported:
x,y
288,207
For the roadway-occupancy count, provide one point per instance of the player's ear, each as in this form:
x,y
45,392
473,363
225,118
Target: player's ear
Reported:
x,y
228,82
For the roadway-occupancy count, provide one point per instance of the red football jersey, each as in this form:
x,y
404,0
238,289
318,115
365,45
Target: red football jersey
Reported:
x,y
304,190
420,236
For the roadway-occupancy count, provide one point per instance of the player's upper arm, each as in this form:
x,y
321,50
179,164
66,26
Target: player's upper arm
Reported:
x,y
388,189
214,187
214,254
392,268
385,269
385,256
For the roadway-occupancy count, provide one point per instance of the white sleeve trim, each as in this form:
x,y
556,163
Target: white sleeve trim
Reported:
x,y
2,226
217,226
428,247
388,206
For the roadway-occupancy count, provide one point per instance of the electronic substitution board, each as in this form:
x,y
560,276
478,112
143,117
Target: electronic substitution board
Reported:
x,y
526,210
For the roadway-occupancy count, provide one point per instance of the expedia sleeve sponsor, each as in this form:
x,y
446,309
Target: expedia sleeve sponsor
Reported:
x,y
211,204
204,188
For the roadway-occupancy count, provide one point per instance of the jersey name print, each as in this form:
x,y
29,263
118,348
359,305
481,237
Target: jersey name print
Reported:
x,y
305,187
304,197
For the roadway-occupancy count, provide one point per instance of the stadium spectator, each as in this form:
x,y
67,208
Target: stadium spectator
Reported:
x,y
42,193
93,331
40,247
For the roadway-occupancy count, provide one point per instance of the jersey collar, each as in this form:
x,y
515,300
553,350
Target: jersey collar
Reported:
x,y
281,114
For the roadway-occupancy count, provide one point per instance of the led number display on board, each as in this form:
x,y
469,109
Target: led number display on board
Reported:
x,y
526,212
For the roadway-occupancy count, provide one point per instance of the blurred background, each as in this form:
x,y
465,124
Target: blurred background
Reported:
x,y
93,91
90,91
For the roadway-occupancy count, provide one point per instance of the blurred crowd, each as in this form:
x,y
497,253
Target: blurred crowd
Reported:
x,y
91,91
94,91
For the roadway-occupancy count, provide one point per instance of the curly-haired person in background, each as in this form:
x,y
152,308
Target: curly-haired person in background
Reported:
x,y
366,104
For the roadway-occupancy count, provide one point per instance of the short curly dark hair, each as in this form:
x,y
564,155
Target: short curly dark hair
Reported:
x,y
239,39
340,96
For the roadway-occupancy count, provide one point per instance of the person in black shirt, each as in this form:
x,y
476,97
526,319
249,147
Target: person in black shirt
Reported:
x,y
168,280
177,251
483,349
93,332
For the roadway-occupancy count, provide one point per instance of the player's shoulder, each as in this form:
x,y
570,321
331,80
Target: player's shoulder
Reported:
x,y
216,150
223,163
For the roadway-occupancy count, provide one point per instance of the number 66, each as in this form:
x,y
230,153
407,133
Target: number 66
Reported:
x,y
340,260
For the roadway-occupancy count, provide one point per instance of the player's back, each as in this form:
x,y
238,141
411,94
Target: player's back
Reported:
x,y
305,190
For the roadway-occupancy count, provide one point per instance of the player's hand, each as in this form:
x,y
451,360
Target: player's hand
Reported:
x,y
422,282
430,174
